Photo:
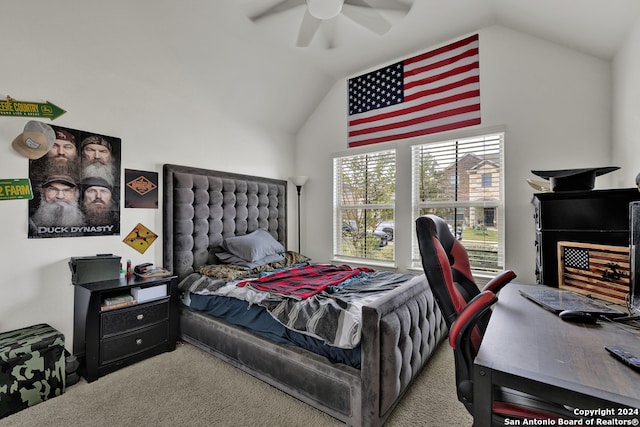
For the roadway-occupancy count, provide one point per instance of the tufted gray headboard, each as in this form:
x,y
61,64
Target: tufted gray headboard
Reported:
x,y
201,207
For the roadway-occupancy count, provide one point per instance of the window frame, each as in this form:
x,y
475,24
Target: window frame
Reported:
x,y
498,205
385,150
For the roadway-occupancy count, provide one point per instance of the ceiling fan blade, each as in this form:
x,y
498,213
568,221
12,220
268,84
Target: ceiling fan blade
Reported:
x,y
308,28
367,17
381,4
329,30
280,6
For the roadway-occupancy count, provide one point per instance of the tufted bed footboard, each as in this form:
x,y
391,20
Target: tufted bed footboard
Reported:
x,y
399,334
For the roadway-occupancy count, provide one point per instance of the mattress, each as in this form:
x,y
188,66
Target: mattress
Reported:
x,y
328,323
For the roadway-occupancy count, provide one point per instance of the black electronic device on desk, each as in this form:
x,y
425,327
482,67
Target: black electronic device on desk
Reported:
x,y
561,300
578,317
149,270
624,356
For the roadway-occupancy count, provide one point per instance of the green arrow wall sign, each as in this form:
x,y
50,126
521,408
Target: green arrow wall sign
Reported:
x,y
11,107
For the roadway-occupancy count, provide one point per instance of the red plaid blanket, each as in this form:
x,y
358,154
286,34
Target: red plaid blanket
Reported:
x,y
305,282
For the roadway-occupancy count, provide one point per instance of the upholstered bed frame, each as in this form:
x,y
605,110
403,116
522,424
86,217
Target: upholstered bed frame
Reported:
x,y
399,332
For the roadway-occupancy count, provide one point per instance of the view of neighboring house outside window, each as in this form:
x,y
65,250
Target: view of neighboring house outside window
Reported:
x,y
461,181
364,206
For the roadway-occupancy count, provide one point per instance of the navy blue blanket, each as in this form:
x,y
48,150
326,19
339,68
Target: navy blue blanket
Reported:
x,y
258,320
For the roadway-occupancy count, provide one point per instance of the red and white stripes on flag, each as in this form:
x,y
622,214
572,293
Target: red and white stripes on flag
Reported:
x,y
433,92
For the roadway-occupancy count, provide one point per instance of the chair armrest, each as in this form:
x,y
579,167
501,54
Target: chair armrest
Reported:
x,y
498,282
468,317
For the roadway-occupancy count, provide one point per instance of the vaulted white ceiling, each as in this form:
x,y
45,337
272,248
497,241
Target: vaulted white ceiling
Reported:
x,y
210,53
595,27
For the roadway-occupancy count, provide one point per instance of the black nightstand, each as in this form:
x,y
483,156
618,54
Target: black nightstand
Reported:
x,y
106,340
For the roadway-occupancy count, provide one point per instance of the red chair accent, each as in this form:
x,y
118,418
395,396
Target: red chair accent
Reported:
x,y
460,266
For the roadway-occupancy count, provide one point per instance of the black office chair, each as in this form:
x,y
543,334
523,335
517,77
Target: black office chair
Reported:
x,y
458,260
467,322
460,265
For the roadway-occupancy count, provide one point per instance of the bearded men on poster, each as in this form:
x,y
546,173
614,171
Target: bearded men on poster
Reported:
x,y
76,186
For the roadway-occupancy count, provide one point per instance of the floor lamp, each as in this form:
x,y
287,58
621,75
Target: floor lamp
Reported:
x,y
299,181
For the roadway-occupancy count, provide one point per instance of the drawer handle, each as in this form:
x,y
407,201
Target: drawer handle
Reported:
x,y
140,316
138,341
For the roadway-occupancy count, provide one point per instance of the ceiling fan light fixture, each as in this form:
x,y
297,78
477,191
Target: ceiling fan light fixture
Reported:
x,y
324,9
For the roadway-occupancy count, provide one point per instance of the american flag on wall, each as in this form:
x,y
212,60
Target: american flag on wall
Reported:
x,y
433,92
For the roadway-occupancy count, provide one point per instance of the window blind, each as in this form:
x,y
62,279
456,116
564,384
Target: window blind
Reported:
x,y
364,198
462,181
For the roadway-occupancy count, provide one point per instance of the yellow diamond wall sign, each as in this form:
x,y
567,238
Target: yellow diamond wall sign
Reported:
x,y
140,238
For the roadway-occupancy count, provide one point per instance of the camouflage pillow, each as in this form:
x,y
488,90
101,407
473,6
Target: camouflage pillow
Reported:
x,y
290,259
293,258
224,271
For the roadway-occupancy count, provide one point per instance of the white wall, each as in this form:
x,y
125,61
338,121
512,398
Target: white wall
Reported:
x,y
626,109
147,78
553,102
191,88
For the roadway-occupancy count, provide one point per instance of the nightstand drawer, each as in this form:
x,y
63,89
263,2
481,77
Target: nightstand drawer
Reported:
x,y
128,319
132,343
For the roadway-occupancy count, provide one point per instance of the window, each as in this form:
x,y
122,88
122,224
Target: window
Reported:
x,y
364,205
453,181
486,180
474,207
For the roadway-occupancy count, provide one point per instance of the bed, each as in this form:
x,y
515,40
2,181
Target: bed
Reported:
x,y
396,334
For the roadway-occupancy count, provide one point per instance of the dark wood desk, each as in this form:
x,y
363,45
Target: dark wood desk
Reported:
x,y
530,349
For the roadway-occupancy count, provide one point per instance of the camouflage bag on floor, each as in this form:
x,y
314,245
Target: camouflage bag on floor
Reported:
x,y
32,367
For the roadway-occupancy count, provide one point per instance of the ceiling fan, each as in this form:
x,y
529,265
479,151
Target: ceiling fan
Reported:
x,y
362,12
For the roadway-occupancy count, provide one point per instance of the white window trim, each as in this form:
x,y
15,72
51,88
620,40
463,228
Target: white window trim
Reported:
x,y
403,209
415,263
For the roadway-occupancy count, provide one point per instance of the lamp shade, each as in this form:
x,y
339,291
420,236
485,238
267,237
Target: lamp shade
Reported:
x,y
299,181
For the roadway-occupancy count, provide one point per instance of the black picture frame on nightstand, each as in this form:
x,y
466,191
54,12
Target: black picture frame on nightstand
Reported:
x,y
105,340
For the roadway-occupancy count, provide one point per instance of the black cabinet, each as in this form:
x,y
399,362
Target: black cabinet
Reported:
x,y
598,216
106,340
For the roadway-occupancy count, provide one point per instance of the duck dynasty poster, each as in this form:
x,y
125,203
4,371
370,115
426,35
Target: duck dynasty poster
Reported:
x,y
76,186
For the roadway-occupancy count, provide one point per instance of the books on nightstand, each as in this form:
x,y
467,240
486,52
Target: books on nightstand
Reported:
x,y
117,301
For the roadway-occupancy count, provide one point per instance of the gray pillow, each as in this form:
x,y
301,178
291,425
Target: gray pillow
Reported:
x,y
253,246
229,258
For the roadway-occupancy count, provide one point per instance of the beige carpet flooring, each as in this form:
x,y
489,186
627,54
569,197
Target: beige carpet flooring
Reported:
x,y
188,387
